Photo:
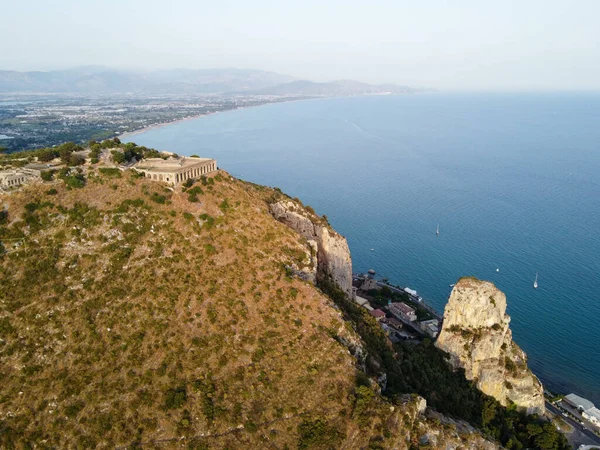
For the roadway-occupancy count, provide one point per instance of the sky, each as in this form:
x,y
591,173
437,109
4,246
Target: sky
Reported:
x,y
452,45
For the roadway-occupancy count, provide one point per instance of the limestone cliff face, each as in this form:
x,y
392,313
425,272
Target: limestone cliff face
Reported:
x,y
333,254
476,335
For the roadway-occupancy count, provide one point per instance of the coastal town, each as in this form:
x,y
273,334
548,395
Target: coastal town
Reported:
x,y
29,121
401,312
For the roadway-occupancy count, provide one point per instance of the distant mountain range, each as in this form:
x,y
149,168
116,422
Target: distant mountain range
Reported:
x,y
102,80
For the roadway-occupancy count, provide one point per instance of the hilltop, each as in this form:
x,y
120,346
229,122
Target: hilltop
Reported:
x,y
137,314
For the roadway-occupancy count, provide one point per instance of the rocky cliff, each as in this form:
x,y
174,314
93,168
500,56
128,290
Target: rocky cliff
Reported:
x,y
477,336
332,252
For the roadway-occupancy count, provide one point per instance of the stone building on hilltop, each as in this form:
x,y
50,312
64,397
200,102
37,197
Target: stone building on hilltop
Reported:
x,y
17,176
176,171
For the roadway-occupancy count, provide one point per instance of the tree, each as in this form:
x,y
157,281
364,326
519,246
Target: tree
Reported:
x,y
386,292
46,154
488,412
65,155
76,160
533,429
118,157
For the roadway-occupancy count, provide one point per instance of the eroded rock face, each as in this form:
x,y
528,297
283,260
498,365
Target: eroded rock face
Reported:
x,y
333,254
476,335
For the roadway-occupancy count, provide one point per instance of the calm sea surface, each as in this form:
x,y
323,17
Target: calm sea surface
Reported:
x,y
513,181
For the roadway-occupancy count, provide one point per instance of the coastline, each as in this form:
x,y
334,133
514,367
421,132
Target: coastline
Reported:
x,y
128,134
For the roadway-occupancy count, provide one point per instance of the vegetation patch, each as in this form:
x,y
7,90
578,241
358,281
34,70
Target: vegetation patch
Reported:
x,y
175,397
317,433
110,172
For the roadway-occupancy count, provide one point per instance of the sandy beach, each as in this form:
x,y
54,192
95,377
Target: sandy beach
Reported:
x,y
160,125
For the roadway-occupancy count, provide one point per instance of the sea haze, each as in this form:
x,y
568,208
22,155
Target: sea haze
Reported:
x,y
512,179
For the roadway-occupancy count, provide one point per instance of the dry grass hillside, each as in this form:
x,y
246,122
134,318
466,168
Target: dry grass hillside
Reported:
x,y
132,315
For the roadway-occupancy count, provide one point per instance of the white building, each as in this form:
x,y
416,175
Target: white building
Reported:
x,y
430,327
410,291
582,404
593,415
587,408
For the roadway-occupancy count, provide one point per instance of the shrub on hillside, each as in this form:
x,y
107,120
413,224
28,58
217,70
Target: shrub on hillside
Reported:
x,y
76,181
175,398
193,194
317,433
110,172
161,199
47,175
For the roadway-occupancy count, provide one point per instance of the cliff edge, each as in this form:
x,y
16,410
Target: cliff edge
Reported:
x,y
477,336
332,252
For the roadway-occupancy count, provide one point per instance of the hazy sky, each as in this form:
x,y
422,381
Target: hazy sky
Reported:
x,y
455,44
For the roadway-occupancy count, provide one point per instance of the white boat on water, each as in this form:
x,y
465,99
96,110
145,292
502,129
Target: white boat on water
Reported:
x,y
498,269
535,284
437,232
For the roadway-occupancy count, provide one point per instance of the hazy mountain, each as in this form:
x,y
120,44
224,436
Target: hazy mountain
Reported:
x,y
102,80
99,80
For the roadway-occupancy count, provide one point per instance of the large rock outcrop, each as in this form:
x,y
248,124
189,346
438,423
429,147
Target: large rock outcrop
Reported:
x,y
477,336
333,254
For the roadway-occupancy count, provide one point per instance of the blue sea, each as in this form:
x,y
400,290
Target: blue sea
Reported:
x,y
513,180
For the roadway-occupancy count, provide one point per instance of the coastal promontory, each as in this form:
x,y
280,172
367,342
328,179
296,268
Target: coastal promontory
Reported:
x,y
214,313
477,337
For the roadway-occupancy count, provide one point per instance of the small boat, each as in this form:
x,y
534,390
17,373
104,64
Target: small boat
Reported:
x,y
498,269
437,232
451,285
535,285
372,249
